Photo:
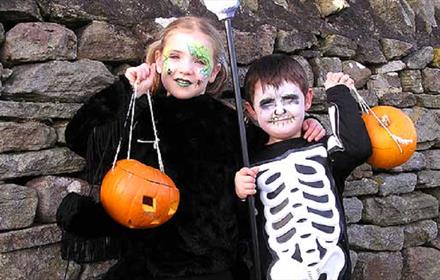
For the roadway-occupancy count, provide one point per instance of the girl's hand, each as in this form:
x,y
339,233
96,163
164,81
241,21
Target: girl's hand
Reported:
x,y
141,77
339,78
313,130
245,182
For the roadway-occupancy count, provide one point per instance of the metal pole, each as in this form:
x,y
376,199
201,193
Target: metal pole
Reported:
x,y
244,149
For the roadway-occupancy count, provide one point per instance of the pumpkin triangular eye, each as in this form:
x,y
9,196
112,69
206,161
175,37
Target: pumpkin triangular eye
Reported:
x,y
173,208
148,204
147,200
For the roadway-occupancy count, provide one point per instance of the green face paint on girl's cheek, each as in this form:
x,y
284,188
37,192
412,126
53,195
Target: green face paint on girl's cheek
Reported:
x,y
200,52
166,61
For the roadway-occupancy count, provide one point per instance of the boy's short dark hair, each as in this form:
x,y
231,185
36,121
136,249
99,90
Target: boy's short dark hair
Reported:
x,y
273,70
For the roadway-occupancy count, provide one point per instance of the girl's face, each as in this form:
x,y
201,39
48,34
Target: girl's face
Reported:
x,y
186,64
280,111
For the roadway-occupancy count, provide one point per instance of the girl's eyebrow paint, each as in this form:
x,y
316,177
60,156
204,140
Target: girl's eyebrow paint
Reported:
x,y
166,61
201,52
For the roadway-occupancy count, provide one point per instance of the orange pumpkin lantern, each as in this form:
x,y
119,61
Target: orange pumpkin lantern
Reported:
x,y
394,144
138,196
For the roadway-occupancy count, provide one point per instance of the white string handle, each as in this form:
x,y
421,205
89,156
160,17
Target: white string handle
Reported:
x,y
130,134
367,110
130,114
129,111
156,137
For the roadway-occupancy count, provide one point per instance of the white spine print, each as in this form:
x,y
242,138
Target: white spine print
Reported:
x,y
302,221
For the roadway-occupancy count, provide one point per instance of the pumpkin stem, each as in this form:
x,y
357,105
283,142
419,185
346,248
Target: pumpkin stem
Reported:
x,y
385,120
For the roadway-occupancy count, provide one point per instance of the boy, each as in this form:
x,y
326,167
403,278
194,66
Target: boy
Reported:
x,y
300,218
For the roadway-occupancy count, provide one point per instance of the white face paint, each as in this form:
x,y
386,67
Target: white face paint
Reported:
x,y
280,111
186,64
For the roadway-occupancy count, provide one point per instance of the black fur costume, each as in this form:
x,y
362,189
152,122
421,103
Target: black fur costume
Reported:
x,y
199,141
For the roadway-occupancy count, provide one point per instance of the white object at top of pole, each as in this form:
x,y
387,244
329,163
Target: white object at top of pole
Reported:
x,y
223,9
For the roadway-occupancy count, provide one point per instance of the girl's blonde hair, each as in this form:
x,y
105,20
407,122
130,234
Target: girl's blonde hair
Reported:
x,y
204,26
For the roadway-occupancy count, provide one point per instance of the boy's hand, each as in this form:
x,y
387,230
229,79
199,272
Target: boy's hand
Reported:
x,y
313,130
245,182
339,78
141,77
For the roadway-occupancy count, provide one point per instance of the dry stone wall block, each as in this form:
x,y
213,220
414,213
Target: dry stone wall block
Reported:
x,y
44,162
18,205
59,80
399,210
38,41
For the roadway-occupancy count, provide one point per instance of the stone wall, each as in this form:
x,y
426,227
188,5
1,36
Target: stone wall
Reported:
x,y
56,54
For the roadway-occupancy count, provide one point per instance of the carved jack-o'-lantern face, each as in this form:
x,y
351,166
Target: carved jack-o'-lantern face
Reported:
x,y
390,150
138,196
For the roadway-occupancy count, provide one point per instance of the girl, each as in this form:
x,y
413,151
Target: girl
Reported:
x,y
200,147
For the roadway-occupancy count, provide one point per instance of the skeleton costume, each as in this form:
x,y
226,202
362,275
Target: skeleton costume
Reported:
x,y
300,218
199,141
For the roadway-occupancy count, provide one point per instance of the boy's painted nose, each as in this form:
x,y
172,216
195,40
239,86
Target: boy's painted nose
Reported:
x,y
280,110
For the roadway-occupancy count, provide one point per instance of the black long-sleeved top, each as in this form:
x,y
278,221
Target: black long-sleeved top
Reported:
x,y
200,145
301,222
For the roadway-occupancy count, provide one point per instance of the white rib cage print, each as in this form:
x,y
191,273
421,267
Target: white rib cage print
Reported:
x,y
302,221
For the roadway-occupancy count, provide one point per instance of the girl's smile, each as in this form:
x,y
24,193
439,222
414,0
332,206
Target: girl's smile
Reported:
x,y
183,82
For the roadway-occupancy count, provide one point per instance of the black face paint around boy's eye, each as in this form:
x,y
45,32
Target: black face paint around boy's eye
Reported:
x,y
288,98
267,102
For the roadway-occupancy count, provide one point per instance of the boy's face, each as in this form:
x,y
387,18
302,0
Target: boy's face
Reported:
x,y
280,111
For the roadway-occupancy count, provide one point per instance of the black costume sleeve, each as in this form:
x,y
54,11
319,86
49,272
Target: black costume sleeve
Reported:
x,y
94,133
105,107
89,234
350,130
79,214
96,128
